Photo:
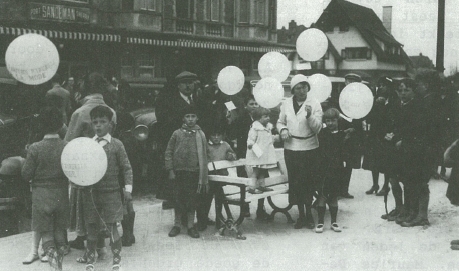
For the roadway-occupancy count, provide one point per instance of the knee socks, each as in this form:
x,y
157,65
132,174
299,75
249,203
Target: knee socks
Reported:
x,y
91,251
116,250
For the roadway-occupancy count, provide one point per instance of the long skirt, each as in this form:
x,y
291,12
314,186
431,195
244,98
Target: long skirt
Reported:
x,y
50,209
302,167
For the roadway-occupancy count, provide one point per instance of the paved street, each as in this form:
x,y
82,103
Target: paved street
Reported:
x,y
366,243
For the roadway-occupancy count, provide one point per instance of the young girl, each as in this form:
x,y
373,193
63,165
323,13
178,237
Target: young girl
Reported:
x,y
260,150
331,167
50,198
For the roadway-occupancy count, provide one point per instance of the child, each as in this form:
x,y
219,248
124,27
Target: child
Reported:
x,y
186,162
102,201
260,149
217,150
332,167
50,198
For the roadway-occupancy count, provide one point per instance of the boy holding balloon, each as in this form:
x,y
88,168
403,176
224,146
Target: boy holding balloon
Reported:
x,y
102,201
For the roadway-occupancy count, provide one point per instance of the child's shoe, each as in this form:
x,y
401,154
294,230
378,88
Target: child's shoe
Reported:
x,y
44,259
254,191
32,257
265,189
319,228
116,267
90,267
335,227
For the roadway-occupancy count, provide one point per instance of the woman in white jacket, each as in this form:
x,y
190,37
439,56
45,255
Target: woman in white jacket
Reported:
x,y
300,121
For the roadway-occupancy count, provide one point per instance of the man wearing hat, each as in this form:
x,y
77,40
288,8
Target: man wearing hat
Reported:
x,y
169,106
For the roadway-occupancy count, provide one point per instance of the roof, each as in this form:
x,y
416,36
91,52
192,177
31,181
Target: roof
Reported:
x,y
367,23
421,61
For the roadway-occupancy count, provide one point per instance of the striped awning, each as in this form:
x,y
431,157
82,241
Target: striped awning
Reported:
x,y
213,45
54,34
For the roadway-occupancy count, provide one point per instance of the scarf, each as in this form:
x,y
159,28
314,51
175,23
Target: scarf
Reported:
x,y
201,144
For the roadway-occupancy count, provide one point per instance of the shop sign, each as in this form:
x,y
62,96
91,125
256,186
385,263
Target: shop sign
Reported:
x,y
62,13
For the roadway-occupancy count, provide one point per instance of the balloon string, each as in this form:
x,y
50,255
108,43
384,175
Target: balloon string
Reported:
x,y
100,217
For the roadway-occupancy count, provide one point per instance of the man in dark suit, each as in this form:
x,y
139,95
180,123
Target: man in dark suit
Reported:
x,y
170,104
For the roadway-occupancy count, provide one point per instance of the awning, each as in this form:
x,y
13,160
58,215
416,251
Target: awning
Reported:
x,y
54,34
213,45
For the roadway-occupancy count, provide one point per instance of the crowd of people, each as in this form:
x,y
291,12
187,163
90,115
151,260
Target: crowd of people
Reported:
x,y
404,138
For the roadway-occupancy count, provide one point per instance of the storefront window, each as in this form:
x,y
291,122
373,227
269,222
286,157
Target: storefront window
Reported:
x,y
138,65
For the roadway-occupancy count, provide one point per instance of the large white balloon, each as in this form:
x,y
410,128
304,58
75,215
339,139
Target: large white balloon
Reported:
x,y
321,87
268,92
84,161
312,44
356,100
32,59
275,65
230,80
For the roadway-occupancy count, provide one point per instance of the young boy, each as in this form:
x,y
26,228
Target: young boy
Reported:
x,y
102,201
186,162
217,150
50,198
332,167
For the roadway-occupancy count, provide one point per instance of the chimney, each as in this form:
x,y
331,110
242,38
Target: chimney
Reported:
x,y
292,25
387,18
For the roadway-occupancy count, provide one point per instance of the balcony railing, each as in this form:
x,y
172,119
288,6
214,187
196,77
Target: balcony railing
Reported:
x,y
213,30
183,26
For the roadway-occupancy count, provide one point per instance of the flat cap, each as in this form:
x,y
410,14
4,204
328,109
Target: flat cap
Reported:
x,y
186,76
354,77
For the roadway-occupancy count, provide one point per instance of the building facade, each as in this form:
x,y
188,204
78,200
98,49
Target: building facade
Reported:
x,y
359,42
147,42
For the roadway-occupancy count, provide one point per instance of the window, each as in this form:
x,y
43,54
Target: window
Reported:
x,y
184,9
214,10
260,11
244,11
147,4
138,65
391,49
356,53
145,66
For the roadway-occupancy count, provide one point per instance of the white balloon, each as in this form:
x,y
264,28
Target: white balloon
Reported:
x,y
32,59
356,100
321,87
275,65
230,80
84,161
312,44
268,92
